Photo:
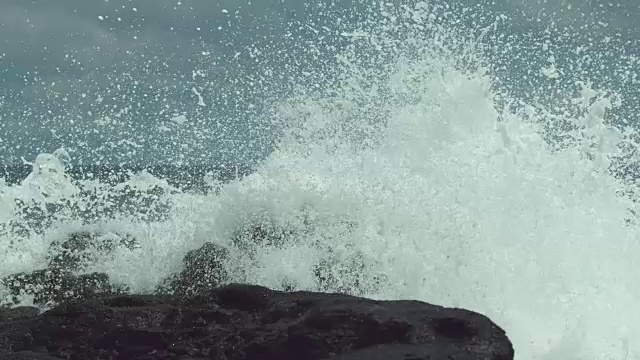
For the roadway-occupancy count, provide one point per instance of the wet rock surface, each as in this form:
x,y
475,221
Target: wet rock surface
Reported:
x,y
203,270
64,278
80,249
190,316
52,286
249,323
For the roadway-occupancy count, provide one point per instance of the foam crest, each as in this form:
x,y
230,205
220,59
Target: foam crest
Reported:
x,y
415,175
48,181
449,198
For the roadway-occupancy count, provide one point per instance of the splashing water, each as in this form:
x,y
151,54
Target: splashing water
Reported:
x,y
415,174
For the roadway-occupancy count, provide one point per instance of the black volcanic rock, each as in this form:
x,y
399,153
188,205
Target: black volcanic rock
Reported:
x,y
81,249
244,322
53,286
25,355
203,270
63,279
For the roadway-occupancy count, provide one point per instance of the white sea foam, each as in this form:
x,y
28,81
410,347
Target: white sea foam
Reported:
x,y
414,178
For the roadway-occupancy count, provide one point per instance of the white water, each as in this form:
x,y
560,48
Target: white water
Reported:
x,y
416,169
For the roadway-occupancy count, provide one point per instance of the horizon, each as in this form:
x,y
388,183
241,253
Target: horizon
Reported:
x,y
163,82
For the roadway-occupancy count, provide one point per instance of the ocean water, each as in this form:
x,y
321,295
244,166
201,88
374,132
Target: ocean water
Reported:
x,y
411,166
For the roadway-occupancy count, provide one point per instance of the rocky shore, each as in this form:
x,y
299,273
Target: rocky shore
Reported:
x,y
193,315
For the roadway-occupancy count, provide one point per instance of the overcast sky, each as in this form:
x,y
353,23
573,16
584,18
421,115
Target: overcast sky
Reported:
x,y
107,78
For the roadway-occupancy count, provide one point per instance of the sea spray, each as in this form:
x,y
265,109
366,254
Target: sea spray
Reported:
x,y
415,173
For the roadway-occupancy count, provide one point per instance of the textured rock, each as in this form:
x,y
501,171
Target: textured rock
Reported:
x,y
63,280
25,355
81,249
65,277
189,318
48,287
243,322
203,270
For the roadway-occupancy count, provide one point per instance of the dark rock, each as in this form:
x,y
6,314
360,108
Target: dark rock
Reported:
x,y
18,312
409,352
204,267
25,355
83,248
50,287
349,275
61,281
252,236
243,322
350,272
203,270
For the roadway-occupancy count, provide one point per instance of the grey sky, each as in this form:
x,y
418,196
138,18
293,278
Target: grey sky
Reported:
x,y
65,65
77,56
